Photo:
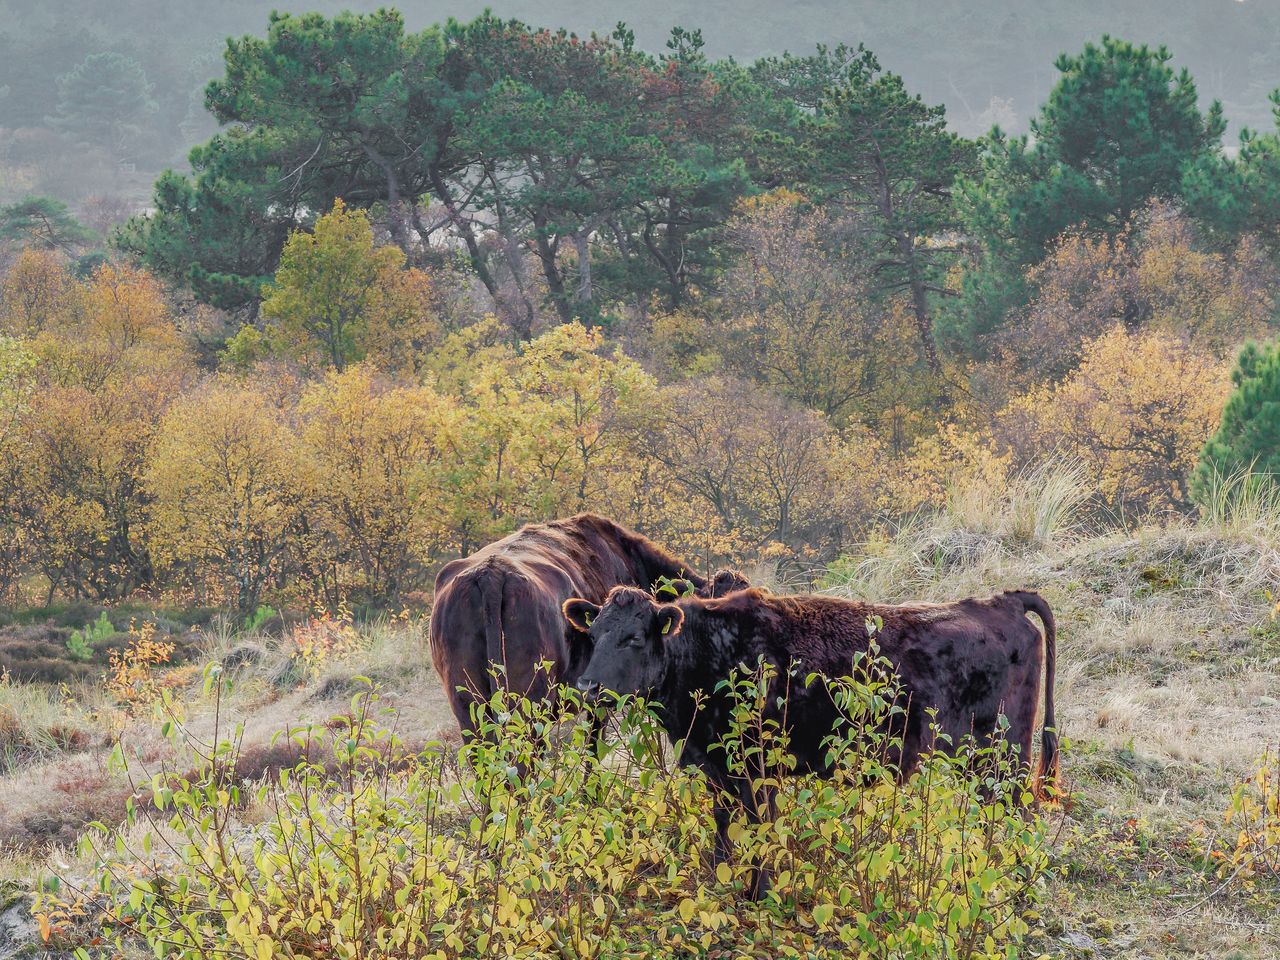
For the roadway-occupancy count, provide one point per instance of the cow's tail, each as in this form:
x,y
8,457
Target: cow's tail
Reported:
x,y
1046,777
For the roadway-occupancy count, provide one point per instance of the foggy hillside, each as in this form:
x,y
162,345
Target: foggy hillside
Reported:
x,y
988,63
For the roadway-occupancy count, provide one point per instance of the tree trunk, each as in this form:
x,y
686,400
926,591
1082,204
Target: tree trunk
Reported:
x,y
582,244
905,245
919,301
396,214
463,226
551,269
513,251
672,267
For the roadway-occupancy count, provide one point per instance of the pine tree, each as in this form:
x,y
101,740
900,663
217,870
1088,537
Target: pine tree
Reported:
x,y
44,223
1119,129
1248,438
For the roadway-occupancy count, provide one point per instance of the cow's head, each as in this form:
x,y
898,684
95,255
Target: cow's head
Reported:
x,y
724,582
628,637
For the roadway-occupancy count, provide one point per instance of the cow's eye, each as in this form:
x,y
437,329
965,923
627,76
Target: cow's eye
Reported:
x,y
636,642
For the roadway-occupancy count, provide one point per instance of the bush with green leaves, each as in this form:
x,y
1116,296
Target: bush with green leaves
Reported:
x,y
535,840
80,645
253,623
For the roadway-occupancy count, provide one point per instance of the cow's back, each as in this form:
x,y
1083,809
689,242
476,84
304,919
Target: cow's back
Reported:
x,y
968,661
503,605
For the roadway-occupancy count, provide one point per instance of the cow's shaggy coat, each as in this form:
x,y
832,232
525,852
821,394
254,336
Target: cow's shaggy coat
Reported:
x,y
502,605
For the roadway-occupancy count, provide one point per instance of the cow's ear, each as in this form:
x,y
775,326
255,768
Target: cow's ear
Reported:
x,y
670,620
580,613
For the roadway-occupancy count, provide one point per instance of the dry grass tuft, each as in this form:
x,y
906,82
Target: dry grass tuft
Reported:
x,y
1038,506
38,721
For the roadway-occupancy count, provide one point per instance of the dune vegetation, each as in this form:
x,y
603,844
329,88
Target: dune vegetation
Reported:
x,y
278,764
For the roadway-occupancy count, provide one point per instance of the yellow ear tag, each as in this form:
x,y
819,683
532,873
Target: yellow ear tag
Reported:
x,y
666,627
588,618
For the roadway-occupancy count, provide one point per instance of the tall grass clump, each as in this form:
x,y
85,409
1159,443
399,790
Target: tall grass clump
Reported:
x,y
535,840
1241,504
36,721
979,524
1037,505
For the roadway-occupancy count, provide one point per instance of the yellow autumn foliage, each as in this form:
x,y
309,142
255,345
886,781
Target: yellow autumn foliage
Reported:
x,y
1153,275
37,293
372,457
338,298
106,360
1134,415
936,463
227,502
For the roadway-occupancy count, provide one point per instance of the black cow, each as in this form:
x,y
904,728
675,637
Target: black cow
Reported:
x,y
970,661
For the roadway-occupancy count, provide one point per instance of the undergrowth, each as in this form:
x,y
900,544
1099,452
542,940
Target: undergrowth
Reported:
x,y
534,840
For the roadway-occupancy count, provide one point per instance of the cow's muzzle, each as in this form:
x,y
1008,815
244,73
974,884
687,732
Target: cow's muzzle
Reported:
x,y
591,691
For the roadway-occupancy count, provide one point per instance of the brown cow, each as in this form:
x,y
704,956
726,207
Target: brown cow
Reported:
x,y
724,582
503,604
970,661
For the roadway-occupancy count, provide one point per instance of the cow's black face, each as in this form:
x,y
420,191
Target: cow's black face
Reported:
x,y
628,637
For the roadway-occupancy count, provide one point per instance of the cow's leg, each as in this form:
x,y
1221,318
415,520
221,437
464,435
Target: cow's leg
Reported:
x,y
723,849
597,717
596,727
759,805
908,755
466,706
469,689
738,791
722,797
730,792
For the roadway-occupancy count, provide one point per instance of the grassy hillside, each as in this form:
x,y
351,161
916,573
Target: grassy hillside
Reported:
x,y
1168,688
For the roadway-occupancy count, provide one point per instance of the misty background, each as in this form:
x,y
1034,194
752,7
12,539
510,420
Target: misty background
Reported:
x,y
97,98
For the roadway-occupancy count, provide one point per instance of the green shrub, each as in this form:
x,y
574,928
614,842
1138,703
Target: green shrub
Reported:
x,y
1247,441
532,841
253,623
80,645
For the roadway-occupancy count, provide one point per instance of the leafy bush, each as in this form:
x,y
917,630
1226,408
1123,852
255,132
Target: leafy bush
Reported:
x,y
253,623
1254,813
81,642
131,680
325,638
535,841
1134,415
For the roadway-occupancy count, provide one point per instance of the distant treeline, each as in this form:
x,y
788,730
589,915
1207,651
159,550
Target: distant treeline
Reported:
x,y
588,179
70,70
423,286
